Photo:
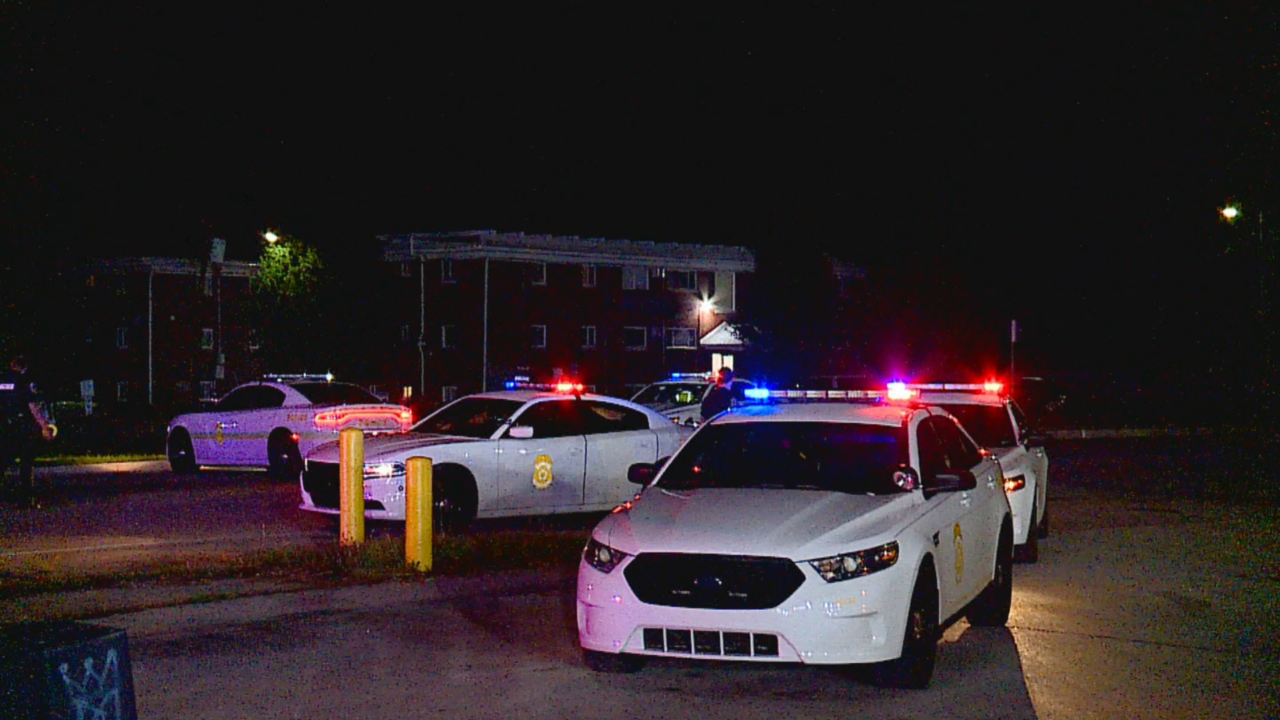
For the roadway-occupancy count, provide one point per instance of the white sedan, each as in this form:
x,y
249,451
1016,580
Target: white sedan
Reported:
x,y
814,532
680,398
506,453
275,422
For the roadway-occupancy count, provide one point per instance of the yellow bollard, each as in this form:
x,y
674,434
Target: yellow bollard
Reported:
x,y
351,486
417,513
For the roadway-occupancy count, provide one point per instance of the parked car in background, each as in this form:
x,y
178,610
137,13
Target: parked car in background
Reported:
x,y
275,421
528,451
999,424
679,398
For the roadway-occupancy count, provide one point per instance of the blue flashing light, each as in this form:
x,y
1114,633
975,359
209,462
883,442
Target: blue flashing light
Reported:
x,y
757,393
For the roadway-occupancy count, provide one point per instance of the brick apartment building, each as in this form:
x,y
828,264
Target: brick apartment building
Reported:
x,y
164,331
476,309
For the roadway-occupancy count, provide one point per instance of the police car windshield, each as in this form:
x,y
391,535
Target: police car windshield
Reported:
x,y
327,393
988,424
469,417
839,457
676,393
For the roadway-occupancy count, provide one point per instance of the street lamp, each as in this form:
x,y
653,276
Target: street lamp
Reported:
x,y
270,236
1231,213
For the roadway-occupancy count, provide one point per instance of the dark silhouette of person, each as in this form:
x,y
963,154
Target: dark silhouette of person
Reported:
x,y
23,422
720,397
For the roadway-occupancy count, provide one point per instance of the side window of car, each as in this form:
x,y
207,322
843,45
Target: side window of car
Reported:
x,y
601,417
960,451
238,399
553,418
933,461
267,397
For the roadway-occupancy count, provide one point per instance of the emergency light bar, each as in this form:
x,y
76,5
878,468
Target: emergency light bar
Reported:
x,y
990,386
280,377
691,376
758,393
560,387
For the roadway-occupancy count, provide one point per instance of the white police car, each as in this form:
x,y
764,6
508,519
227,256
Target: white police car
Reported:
x,y
999,425
274,422
680,397
528,451
810,532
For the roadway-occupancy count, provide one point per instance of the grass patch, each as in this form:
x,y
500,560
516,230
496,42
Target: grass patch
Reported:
x,y
328,564
54,460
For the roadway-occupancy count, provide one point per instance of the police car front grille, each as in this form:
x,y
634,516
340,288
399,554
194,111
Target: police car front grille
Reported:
x,y
680,641
722,582
320,480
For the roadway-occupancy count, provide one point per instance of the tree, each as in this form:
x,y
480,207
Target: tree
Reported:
x,y
287,303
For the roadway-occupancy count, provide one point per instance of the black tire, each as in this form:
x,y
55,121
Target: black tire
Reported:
x,y
914,668
453,499
603,662
1029,551
991,608
182,455
284,459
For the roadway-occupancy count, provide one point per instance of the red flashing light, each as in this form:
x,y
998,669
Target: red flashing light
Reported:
x,y
993,386
570,387
344,417
900,391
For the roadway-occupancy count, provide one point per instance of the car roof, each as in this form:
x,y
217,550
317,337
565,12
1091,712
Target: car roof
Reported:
x,y
850,412
527,395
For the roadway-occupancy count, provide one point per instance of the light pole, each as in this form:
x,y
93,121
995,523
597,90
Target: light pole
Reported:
x,y
1231,213
704,306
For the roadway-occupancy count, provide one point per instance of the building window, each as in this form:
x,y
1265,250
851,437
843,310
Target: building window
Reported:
x,y
682,280
449,393
634,338
255,340
405,333
538,336
588,336
122,391
635,278
588,276
406,270
207,388
446,272
680,337
122,338
206,338
448,336
726,292
538,274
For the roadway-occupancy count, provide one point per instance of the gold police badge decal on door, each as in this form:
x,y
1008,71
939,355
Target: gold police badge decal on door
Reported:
x,y
542,476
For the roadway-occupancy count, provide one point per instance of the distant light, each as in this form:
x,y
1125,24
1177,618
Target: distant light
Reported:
x,y
270,236
706,306
1230,212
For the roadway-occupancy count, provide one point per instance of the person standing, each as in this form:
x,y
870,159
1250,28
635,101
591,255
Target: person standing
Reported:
x,y
23,422
720,397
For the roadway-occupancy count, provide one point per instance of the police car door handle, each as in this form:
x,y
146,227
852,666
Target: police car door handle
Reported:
x,y
965,500
233,425
991,482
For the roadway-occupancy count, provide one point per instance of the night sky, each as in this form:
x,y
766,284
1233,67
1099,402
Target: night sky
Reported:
x,y
1061,165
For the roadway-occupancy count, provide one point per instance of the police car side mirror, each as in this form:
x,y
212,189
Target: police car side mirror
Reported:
x,y
957,481
643,473
520,432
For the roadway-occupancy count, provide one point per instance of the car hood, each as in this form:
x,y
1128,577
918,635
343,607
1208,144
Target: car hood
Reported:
x,y
384,446
799,524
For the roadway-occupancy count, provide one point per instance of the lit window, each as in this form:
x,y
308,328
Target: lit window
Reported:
x,y
538,336
206,338
635,278
588,336
633,338
680,338
449,393
538,274
446,272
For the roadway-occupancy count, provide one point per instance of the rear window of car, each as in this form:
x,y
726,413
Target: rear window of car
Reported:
x,y
671,394
988,424
469,417
324,393
839,457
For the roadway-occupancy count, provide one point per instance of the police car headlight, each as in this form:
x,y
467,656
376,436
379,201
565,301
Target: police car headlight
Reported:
x,y
379,471
856,564
602,557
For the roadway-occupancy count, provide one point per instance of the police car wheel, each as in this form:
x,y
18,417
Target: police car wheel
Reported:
x,y
182,456
284,459
602,662
454,499
991,608
914,668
